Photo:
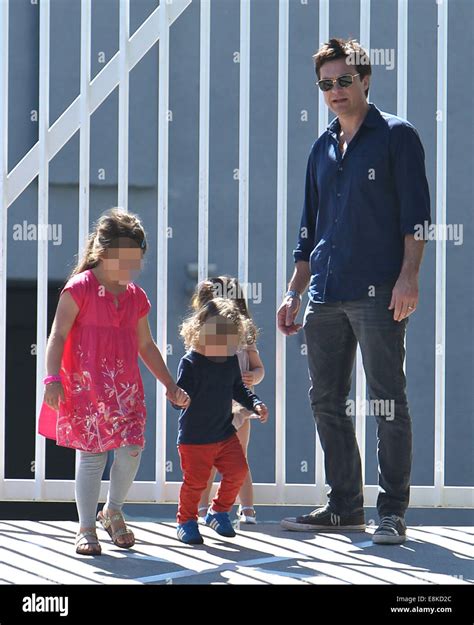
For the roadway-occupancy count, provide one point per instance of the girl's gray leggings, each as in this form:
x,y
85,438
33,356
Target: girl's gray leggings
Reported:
x,y
89,475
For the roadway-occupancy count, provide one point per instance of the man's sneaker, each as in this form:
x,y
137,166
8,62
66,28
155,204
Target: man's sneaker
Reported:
x,y
189,533
391,531
324,519
220,522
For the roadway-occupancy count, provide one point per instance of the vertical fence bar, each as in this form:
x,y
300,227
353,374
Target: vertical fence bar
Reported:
x,y
281,268
323,117
162,244
440,319
3,224
204,83
123,118
402,58
244,140
361,382
84,131
85,128
402,79
43,199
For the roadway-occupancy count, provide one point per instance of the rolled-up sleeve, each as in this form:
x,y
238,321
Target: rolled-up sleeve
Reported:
x,y
310,210
408,166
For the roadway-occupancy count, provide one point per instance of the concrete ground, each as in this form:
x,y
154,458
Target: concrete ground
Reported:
x,y
42,552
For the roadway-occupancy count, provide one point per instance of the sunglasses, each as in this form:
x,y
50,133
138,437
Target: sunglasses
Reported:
x,y
326,84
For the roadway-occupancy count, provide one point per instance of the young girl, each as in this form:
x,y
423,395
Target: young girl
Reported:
x,y
253,373
93,379
210,373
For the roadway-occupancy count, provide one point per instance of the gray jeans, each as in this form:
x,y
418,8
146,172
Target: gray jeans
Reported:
x,y
89,475
332,332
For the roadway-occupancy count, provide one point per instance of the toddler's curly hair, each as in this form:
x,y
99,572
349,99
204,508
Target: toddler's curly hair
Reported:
x,y
216,307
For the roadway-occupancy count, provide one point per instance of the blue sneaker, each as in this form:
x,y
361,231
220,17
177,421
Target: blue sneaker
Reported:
x,y
220,522
189,533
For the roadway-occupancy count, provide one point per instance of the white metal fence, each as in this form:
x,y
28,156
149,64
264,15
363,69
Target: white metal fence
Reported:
x,y
77,116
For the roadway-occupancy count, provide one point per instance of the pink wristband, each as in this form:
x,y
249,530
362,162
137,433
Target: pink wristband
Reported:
x,y
51,378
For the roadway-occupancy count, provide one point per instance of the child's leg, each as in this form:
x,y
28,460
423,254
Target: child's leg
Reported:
x,y
231,463
122,473
246,490
88,477
196,463
204,501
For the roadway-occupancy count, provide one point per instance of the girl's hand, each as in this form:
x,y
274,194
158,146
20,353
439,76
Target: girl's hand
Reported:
x,y
53,392
248,378
262,412
178,396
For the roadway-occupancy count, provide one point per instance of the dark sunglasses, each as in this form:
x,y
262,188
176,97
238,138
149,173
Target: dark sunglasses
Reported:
x,y
326,84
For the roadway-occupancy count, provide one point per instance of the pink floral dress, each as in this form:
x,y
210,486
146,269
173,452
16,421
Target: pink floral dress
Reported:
x,y
104,405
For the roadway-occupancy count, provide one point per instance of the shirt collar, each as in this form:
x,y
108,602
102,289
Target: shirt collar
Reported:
x,y
371,120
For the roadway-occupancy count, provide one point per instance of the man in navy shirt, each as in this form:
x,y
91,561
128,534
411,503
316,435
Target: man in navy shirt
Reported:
x,y
366,191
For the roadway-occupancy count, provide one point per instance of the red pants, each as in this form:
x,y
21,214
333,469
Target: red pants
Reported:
x,y
197,462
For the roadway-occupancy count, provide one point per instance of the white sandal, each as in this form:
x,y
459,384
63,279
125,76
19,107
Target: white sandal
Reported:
x,y
244,518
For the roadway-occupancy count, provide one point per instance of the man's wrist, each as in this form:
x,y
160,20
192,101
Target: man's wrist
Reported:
x,y
293,293
409,273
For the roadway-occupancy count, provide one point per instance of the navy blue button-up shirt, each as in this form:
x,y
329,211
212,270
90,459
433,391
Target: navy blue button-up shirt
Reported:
x,y
359,206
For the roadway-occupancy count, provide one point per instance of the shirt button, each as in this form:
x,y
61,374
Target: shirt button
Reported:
x,y
333,246
335,221
338,195
330,271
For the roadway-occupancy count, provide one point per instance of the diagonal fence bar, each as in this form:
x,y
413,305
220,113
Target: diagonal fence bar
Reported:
x,y
100,88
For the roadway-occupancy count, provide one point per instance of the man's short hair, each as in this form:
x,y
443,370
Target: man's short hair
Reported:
x,y
349,49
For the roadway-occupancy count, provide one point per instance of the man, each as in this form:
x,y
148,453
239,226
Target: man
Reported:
x,y
366,190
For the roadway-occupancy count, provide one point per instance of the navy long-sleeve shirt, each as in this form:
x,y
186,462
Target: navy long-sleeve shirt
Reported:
x,y
211,386
359,206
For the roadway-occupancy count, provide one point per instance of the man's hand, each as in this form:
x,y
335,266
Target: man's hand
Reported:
x,y
404,296
287,314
